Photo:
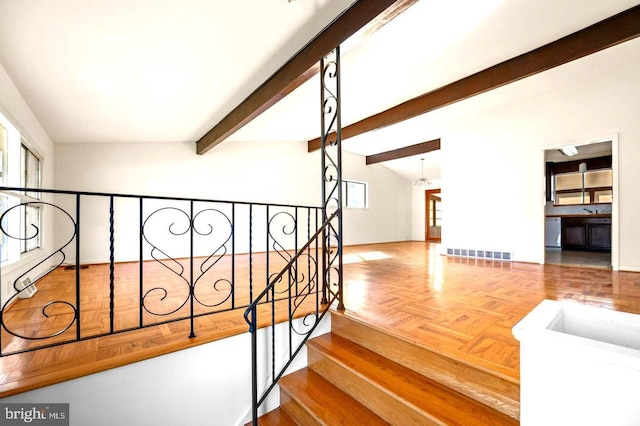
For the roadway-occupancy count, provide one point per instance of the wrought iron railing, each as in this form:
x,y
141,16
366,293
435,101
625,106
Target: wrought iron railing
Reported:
x,y
308,288
320,294
158,259
194,242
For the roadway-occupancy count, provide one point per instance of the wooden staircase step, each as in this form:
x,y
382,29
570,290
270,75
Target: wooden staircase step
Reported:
x,y
275,417
498,391
311,400
394,392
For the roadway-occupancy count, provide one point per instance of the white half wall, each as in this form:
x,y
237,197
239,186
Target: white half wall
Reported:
x,y
205,385
559,342
493,164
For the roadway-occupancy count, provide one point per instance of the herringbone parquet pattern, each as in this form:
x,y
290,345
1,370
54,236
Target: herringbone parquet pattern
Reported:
x,y
464,308
467,307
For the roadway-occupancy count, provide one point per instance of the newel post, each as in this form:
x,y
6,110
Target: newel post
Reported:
x,y
331,154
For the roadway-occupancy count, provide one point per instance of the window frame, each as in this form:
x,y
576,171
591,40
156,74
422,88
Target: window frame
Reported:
x,y
18,160
346,198
27,154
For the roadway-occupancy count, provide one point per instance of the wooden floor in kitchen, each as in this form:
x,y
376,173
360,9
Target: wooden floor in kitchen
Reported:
x,y
463,307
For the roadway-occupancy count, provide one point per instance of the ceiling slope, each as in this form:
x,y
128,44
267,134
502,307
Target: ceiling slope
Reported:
x,y
366,16
602,35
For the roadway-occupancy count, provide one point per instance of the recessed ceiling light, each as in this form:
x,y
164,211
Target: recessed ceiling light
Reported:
x,y
569,151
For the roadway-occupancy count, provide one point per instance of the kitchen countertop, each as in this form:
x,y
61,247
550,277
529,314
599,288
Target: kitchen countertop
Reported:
x,y
581,215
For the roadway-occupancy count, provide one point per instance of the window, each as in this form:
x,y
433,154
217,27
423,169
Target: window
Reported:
x,y
4,138
4,200
29,171
20,166
354,194
30,178
4,252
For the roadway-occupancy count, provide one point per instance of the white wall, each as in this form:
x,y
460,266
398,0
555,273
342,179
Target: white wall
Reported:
x,y
205,385
388,217
493,164
259,172
240,171
16,110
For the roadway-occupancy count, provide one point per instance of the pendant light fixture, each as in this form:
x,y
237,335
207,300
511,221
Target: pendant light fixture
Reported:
x,y
423,181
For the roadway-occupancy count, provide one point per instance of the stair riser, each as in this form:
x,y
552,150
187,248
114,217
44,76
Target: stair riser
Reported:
x,y
289,405
484,387
391,409
310,399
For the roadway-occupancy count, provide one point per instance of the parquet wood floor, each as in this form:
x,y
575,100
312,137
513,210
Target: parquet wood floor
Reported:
x,y
466,308
21,372
462,307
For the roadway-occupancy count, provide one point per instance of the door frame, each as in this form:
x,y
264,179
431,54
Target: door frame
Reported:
x,y
427,236
615,205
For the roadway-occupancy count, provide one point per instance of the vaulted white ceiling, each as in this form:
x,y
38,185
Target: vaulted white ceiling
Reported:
x,y
148,70
168,70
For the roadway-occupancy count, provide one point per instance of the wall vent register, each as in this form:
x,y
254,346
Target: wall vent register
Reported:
x,y
480,254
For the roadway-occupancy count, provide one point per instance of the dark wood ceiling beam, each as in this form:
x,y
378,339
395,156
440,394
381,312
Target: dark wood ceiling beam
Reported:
x,y
408,151
602,35
366,16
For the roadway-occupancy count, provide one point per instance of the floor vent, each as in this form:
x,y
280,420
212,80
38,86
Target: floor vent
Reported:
x,y
480,254
27,287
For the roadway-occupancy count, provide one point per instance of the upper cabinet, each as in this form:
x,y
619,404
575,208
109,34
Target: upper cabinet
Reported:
x,y
586,181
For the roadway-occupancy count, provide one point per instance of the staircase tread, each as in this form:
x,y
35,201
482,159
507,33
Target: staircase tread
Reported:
x,y
328,404
423,393
275,417
491,368
489,387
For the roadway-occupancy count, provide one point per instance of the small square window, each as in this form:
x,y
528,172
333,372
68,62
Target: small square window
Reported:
x,y
354,194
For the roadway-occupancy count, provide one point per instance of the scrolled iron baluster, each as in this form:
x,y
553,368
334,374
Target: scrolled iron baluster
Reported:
x,y
174,266
282,225
155,248
330,105
3,221
332,197
308,290
216,255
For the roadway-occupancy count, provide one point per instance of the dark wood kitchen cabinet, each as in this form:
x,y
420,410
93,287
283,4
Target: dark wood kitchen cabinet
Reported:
x,y
586,233
574,235
600,236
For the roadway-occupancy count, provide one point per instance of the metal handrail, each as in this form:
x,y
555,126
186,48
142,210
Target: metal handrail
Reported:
x,y
253,321
9,189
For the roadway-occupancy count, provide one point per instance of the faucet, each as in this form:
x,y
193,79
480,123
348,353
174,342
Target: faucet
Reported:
x,y
588,211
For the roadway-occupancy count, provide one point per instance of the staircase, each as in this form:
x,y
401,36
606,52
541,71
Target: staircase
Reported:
x,y
362,375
